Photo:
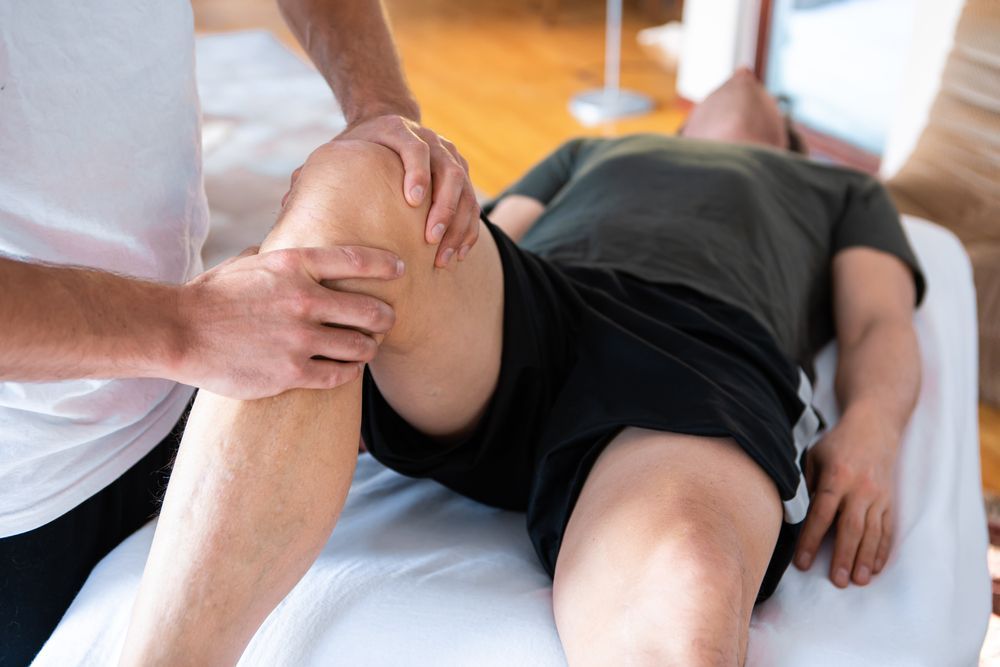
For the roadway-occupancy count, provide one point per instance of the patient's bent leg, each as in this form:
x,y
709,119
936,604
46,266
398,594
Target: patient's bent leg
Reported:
x,y
439,365
258,485
664,553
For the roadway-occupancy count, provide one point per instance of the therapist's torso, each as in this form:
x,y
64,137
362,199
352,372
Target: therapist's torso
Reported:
x,y
100,166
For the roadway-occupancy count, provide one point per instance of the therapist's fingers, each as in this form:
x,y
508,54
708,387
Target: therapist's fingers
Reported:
x,y
885,543
850,530
822,512
416,157
472,235
864,564
457,238
327,374
442,219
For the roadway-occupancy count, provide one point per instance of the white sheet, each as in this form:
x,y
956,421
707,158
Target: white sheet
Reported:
x,y
416,575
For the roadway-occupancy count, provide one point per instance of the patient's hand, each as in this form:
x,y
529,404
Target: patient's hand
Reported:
x,y
430,162
850,474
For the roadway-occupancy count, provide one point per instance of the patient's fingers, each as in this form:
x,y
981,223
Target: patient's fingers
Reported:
x,y
850,529
885,542
864,564
347,261
822,512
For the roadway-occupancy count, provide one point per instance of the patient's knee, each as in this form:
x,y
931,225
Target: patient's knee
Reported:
x,y
351,193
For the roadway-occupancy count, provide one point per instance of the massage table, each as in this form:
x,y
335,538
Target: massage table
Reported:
x,y
417,575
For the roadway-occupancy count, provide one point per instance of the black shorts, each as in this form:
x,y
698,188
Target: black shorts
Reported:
x,y
588,352
41,571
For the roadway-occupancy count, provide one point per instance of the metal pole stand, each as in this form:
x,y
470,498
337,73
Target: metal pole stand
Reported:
x,y
596,106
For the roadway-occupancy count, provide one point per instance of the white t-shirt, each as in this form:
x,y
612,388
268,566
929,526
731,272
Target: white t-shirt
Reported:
x,y
100,166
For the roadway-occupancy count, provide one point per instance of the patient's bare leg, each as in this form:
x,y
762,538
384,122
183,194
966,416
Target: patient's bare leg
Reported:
x,y
664,553
258,485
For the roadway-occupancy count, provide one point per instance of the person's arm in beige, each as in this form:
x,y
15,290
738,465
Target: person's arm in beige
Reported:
x,y
350,43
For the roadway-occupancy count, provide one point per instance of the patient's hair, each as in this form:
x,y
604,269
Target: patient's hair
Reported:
x,y
796,143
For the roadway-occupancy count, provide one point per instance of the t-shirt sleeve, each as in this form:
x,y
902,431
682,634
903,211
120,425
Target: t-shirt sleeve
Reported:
x,y
544,181
871,220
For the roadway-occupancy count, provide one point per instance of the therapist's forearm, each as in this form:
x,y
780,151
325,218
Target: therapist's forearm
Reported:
x,y
60,322
350,43
879,373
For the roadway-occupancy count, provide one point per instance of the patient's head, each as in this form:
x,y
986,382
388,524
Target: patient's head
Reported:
x,y
741,111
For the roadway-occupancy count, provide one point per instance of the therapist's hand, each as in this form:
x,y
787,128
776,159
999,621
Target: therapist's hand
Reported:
x,y
850,474
434,167
258,325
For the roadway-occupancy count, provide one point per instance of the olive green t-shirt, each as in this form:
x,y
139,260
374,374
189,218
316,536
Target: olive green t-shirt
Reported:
x,y
749,225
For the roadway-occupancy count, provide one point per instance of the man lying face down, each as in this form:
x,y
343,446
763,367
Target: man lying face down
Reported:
x,y
635,376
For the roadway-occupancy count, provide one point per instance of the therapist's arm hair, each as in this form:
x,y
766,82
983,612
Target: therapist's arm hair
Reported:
x,y
516,214
350,43
249,328
63,322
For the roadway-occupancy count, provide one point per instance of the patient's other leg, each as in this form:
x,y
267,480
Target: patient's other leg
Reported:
x,y
664,553
258,485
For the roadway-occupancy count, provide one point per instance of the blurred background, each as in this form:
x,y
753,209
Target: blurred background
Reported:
x,y
906,89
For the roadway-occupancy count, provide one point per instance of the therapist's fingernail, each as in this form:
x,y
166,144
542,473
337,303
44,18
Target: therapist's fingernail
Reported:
x,y
437,232
417,193
400,267
803,561
447,255
864,574
878,564
841,577
463,252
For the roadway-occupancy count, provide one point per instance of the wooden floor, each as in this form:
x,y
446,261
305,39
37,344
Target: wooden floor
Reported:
x,y
495,78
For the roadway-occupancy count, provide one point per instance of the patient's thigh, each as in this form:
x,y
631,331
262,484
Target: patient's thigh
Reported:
x,y
439,365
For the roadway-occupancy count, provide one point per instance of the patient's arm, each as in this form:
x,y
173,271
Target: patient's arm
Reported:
x,y
516,214
878,379
520,208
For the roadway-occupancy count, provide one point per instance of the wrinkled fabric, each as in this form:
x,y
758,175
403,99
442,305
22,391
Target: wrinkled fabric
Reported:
x,y
100,146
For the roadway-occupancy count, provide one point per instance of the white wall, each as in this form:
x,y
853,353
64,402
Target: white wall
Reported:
x,y
719,36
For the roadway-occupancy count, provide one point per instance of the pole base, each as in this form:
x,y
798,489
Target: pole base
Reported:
x,y
596,106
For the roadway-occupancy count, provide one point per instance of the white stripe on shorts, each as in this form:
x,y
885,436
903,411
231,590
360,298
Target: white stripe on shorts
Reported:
x,y
805,434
